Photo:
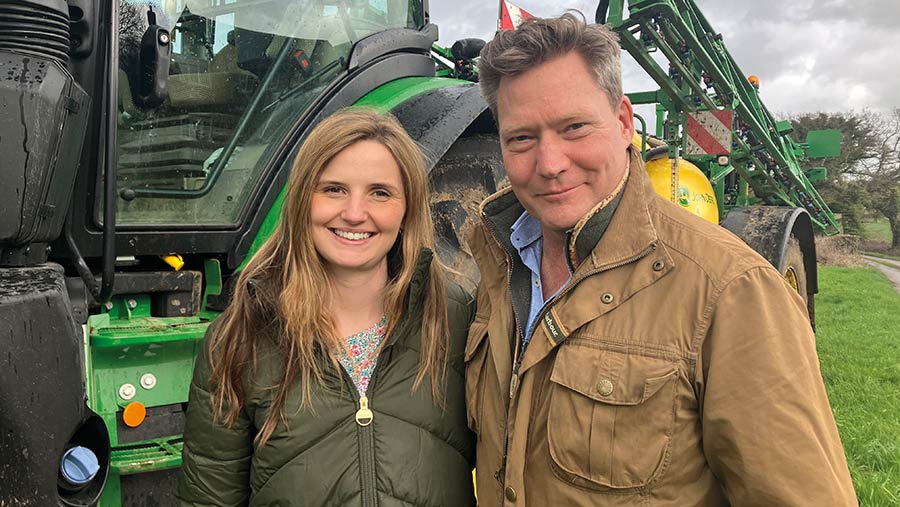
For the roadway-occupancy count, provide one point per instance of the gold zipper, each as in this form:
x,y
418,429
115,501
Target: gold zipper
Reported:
x,y
364,416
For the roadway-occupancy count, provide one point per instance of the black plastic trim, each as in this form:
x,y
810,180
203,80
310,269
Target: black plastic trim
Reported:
x,y
392,41
437,118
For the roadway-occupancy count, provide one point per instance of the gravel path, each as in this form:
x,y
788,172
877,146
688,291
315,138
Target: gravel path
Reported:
x,y
889,267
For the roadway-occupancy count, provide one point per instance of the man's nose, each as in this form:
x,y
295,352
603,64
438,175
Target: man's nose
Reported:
x,y
551,157
356,209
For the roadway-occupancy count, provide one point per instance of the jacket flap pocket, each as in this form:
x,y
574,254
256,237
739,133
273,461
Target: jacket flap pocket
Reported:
x,y
477,334
611,377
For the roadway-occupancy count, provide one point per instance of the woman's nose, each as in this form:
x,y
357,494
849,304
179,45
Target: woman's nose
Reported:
x,y
356,209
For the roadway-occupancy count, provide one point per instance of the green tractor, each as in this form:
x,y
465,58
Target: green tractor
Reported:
x,y
145,149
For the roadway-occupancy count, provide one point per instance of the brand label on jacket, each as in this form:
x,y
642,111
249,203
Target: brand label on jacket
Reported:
x,y
555,331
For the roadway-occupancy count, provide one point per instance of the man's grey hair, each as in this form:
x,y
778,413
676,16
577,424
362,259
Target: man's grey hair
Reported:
x,y
538,40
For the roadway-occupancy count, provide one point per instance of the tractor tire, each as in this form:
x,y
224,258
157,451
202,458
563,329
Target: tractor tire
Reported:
x,y
471,170
794,274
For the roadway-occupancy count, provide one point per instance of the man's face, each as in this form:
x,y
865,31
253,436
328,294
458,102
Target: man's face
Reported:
x,y
564,146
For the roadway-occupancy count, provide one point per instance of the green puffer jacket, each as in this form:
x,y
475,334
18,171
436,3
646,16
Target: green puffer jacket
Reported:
x,y
414,452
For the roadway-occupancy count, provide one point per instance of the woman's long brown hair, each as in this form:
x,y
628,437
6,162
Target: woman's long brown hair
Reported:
x,y
297,293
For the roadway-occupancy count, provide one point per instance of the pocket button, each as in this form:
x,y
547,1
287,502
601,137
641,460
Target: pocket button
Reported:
x,y
510,494
605,387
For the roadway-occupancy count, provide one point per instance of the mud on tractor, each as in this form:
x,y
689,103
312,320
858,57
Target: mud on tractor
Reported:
x,y
144,150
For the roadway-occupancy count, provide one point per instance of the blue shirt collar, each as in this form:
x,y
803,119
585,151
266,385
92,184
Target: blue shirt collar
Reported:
x,y
525,231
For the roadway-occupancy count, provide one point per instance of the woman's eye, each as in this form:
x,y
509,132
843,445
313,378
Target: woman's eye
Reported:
x,y
381,193
332,190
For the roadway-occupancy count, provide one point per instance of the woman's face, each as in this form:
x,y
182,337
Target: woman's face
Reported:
x,y
357,209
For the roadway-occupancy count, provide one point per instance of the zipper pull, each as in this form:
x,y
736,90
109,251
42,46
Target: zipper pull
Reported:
x,y
513,383
364,416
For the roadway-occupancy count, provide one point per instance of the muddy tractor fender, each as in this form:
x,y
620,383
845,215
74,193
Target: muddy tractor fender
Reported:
x,y
437,118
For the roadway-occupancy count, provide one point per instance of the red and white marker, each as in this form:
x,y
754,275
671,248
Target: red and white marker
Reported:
x,y
709,132
511,16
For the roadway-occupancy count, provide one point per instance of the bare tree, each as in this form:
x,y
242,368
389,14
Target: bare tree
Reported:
x,y
882,173
867,173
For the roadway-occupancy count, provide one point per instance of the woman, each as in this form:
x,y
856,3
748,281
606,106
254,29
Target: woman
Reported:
x,y
335,376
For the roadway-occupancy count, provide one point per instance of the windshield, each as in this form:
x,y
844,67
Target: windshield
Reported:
x,y
241,73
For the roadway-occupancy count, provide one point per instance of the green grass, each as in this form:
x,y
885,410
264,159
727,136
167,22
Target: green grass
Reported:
x,y
858,337
876,230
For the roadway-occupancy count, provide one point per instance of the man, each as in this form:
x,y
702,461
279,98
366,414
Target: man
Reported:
x,y
624,351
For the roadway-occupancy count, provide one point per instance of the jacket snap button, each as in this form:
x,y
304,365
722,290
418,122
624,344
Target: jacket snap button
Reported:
x,y
510,494
605,387
607,298
658,265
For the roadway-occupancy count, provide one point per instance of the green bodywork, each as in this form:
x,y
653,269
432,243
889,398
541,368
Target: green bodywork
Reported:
x,y
702,75
125,343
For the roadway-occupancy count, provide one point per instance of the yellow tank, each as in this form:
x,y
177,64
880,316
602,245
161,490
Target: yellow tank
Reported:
x,y
688,188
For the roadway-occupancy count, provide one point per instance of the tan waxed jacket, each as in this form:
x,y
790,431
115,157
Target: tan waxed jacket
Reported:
x,y
676,368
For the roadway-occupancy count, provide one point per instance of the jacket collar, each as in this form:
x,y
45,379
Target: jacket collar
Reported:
x,y
622,220
415,294
631,231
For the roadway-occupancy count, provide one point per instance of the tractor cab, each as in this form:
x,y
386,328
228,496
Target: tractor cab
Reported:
x,y
235,76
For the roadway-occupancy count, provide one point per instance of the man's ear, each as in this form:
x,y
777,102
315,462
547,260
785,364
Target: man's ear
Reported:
x,y
625,115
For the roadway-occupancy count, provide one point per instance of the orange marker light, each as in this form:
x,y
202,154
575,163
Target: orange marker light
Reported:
x,y
754,80
134,414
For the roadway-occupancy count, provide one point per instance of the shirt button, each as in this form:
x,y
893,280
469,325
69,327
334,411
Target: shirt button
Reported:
x,y
510,494
605,387
537,283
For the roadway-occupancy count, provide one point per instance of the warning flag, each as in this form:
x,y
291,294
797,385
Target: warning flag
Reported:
x,y
511,16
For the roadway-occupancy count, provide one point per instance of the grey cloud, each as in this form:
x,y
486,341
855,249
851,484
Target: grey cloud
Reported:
x,y
809,54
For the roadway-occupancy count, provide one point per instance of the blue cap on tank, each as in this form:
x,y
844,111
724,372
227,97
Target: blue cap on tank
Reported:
x,y
79,465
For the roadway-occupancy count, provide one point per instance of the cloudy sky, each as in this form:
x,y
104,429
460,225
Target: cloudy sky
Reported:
x,y
810,55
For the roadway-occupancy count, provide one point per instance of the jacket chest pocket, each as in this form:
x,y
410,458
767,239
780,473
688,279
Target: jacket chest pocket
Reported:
x,y
476,360
610,418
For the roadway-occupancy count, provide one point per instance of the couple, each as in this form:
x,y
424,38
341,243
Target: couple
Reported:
x,y
609,360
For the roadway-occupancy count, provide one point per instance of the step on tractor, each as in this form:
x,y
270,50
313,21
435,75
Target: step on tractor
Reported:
x,y
144,151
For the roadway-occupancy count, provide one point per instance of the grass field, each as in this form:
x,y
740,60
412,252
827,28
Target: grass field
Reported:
x,y
876,230
858,337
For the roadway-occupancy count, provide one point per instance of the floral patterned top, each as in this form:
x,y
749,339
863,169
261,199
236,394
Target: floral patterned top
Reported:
x,y
361,354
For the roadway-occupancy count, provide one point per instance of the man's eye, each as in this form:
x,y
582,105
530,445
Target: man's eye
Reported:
x,y
575,126
523,138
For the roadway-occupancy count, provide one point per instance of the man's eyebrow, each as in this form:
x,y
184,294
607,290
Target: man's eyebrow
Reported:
x,y
515,129
572,118
557,122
